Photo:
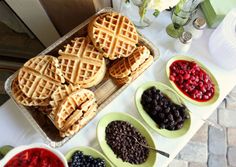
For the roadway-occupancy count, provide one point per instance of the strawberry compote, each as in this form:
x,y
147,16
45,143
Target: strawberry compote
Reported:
x,y
35,157
192,80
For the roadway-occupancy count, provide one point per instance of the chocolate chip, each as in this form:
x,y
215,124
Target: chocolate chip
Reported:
x,y
124,146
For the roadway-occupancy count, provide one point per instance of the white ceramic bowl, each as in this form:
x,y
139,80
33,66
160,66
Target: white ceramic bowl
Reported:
x,y
19,149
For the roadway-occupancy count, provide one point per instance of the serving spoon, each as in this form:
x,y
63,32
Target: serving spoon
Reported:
x,y
143,145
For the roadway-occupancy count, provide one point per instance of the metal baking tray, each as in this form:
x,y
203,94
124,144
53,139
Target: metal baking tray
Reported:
x,y
105,91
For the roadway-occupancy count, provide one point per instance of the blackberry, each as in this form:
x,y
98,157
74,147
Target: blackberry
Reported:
x,y
170,117
176,113
167,110
161,115
162,110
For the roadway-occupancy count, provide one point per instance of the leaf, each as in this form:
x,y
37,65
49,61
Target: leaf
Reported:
x,y
156,13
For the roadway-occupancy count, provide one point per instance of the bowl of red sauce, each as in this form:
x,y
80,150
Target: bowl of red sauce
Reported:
x,y
35,155
192,80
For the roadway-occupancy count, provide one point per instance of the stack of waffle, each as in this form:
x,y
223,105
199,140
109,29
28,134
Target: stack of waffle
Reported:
x,y
60,86
127,69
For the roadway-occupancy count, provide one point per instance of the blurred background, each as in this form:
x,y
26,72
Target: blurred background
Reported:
x,y
29,26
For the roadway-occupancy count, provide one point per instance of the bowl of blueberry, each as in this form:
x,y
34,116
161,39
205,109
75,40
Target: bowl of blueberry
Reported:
x,y
86,156
192,80
162,109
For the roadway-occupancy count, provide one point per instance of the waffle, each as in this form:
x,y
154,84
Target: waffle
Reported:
x,y
137,72
78,100
138,57
120,68
21,98
113,34
97,79
40,76
60,94
123,67
81,62
80,123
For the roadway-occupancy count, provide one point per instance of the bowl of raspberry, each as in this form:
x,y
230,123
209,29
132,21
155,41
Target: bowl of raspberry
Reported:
x,y
37,155
192,80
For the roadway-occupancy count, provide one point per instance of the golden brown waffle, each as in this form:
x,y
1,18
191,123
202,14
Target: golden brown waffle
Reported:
x,y
81,122
81,61
40,76
138,57
113,34
124,69
97,79
120,68
78,100
60,94
21,98
136,73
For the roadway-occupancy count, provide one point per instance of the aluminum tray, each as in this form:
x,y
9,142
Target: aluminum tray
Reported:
x,y
105,92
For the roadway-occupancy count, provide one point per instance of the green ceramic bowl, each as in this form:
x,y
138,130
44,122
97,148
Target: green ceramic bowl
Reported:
x,y
173,96
101,127
88,151
187,58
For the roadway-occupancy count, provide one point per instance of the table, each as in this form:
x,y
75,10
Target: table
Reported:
x,y
16,130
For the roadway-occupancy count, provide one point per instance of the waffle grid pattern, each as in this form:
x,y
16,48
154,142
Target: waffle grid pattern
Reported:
x,y
38,80
114,35
21,98
80,62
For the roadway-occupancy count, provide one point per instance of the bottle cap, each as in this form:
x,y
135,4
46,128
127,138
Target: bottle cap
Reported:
x,y
186,37
199,23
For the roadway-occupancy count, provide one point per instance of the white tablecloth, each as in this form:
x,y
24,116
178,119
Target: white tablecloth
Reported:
x,y
16,130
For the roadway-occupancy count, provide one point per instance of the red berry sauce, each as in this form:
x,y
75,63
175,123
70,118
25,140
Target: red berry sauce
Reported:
x,y
35,157
192,80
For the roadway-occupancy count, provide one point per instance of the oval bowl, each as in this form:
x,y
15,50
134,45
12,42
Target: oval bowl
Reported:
x,y
101,127
173,96
19,149
213,79
88,151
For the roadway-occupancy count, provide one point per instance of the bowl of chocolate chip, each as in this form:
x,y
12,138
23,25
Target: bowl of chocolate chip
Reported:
x,y
120,135
162,109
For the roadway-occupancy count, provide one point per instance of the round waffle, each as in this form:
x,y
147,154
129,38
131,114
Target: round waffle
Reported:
x,y
40,76
120,68
21,98
60,94
97,79
127,69
113,34
136,73
73,108
81,122
81,62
